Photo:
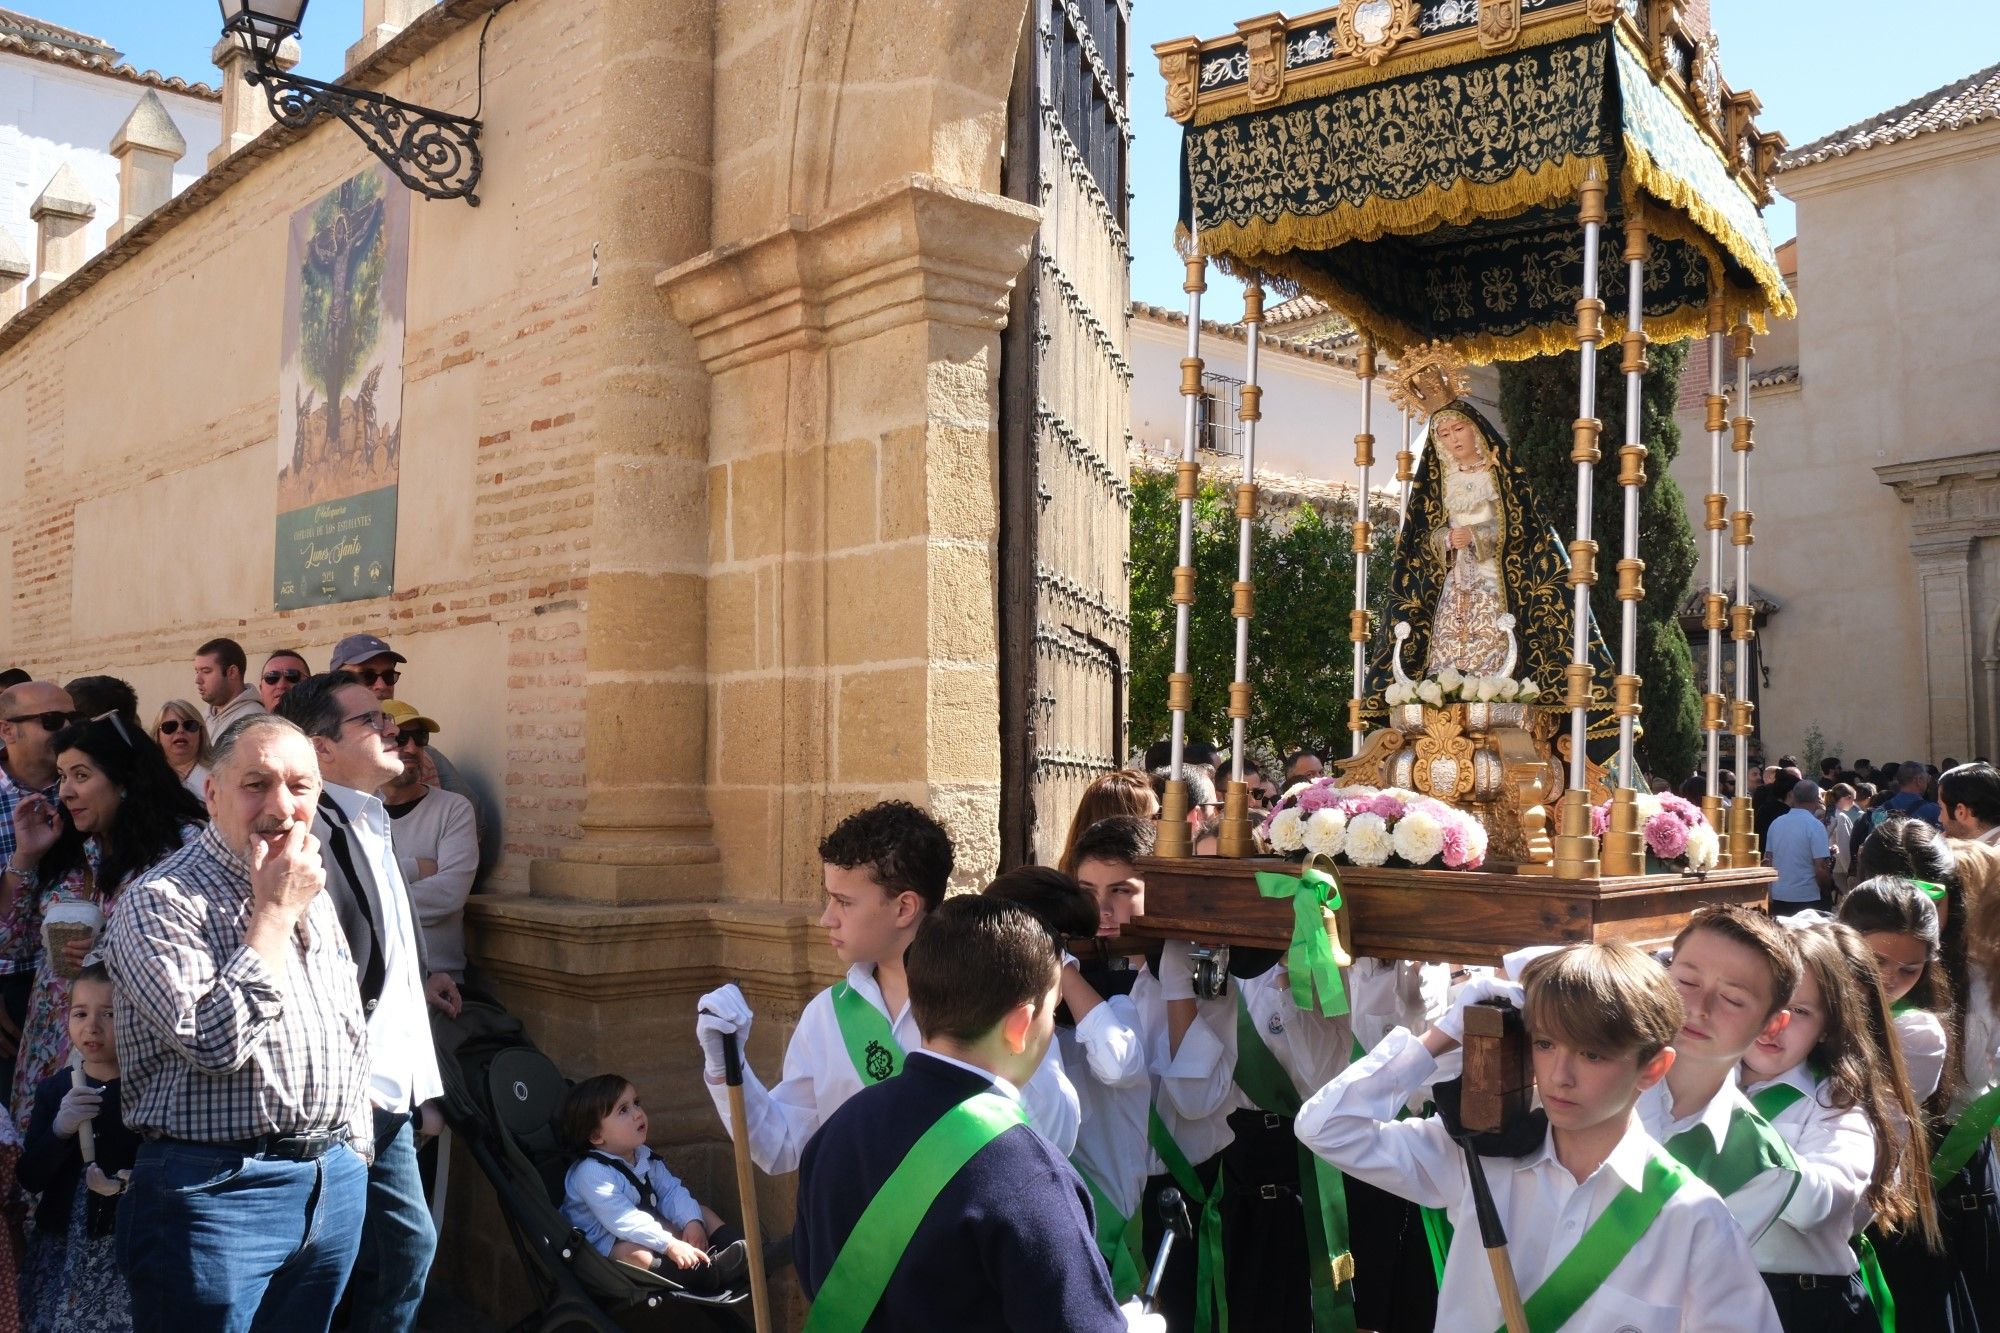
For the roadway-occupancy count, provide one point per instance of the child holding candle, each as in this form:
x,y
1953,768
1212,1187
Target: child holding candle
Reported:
x,y
78,1156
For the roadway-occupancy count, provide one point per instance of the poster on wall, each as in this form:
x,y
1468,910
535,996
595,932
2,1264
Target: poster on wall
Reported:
x,y
340,393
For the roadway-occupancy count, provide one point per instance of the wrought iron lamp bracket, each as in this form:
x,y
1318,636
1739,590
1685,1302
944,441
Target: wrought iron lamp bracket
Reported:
x,y
435,154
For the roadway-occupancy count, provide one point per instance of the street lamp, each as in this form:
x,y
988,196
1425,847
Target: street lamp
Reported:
x,y
435,154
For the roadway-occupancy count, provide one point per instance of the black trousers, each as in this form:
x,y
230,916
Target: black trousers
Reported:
x,y
1264,1226
1811,1303
1395,1283
1969,1214
1177,1285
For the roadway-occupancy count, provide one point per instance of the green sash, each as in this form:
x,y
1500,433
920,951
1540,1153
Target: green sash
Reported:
x,y
1604,1246
1776,1098
1330,1262
1119,1239
1211,1294
1749,1149
1768,1104
1309,959
871,1042
1965,1137
869,1255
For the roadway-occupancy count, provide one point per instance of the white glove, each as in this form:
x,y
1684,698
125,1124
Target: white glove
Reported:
x,y
97,1182
723,1010
1138,1321
1069,959
1479,988
1176,971
78,1105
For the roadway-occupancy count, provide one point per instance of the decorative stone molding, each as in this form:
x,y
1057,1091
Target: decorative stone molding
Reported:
x,y
381,20
920,249
14,270
245,113
147,145
59,214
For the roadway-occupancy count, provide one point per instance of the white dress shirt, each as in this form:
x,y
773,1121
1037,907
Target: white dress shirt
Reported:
x,y
1690,1272
402,1061
819,1077
1105,1055
1922,1038
1981,1029
1757,1204
1836,1155
1311,1048
1195,1087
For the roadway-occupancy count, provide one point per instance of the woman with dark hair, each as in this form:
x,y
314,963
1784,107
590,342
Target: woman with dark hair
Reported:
x,y
122,809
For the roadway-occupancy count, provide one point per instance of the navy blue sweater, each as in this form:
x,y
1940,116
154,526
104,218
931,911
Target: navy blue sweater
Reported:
x,y
1007,1245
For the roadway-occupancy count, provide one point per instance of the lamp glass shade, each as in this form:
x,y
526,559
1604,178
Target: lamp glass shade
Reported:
x,y
265,22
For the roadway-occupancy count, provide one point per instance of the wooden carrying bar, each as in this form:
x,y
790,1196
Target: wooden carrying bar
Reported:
x,y
1459,916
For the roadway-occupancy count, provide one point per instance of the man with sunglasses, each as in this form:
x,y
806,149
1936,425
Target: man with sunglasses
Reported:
x,y
30,716
282,670
437,842
218,678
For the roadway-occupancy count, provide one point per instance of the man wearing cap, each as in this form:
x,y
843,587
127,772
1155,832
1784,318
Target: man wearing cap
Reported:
x,y
437,842
1799,848
370,660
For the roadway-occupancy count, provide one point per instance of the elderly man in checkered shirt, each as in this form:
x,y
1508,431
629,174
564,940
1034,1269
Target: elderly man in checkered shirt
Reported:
x,y
244,1051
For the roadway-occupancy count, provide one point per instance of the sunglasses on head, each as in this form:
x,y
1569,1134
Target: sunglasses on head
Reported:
x,y
290,677
369,675
49,721
171,725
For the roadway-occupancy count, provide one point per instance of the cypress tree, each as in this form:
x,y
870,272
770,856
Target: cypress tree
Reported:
x,y
1538,400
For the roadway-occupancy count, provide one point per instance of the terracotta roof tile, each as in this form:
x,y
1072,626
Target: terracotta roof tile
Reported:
x,y
1954,106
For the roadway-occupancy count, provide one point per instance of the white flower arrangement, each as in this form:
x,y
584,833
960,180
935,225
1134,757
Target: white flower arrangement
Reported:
x,y
1325,832
1287,831
1703,848
1367,826
1418,838
1368,840
1449,686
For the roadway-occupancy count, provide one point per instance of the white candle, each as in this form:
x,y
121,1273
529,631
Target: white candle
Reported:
x,y
86,1134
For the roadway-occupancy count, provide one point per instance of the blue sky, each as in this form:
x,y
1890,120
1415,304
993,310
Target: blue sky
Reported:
x,y
1818,65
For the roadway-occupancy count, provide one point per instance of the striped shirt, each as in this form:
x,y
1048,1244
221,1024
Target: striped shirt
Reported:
x,y
213,1047
21,924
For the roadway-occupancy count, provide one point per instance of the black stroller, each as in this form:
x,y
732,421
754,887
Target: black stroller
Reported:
x,y
500,1098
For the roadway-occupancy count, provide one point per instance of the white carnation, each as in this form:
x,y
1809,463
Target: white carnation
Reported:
x,y
1398,693
1419,838
1703,851
1325,832
1288,831
1368,840
1489,690
1648,805
1430,693
1506,690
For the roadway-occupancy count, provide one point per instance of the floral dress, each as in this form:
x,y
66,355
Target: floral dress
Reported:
x,y
45,1030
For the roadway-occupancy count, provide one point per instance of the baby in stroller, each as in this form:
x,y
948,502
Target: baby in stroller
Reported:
x,y
625,1201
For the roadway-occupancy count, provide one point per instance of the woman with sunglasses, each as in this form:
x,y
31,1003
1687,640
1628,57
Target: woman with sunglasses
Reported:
x,y
121,809
184,741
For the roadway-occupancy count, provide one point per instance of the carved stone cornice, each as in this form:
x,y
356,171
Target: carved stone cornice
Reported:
x,y
1953,500
920,249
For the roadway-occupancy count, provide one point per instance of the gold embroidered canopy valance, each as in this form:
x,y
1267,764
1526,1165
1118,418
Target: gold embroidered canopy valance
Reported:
x,y
1416,164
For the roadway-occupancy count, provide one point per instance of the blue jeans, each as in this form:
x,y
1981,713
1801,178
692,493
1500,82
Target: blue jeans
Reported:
x,y
397,1239
210,1239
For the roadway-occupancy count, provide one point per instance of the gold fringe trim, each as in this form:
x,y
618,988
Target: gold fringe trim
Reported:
x,y
1434,206
1457,50
1700,221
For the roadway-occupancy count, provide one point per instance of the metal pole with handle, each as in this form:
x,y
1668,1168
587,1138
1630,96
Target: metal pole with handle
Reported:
x,y
746,1182
1493,1235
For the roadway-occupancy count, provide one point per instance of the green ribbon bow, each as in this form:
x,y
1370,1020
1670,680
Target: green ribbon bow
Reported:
x,y
1310,957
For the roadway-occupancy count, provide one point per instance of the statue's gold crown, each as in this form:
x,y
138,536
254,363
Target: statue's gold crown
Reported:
x,y
1426,378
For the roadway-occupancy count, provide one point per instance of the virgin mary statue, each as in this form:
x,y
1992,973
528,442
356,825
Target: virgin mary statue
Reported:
x,y
1478,569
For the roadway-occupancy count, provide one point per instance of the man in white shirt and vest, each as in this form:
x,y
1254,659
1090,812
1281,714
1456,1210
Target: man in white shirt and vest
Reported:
x,y
355,744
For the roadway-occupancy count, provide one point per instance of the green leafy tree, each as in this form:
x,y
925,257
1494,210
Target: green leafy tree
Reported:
x,y
340,290
1538,400
1300,656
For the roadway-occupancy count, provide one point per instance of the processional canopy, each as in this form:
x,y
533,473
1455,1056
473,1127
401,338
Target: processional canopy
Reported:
x,y
1417,165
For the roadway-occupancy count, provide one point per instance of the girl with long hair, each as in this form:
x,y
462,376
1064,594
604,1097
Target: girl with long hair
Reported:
x,y
1825,1083
121,810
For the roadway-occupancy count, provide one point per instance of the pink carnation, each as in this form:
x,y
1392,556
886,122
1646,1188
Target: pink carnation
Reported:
x,y
1667,836
1316,797
1687,812
1388,807
1464,842
1600,819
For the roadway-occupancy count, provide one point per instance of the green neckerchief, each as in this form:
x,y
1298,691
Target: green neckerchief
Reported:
x,y
1604,1246
1437,1226
1874,1283
1330,1257
1749,1149
868,1257
1119,1239
1211,1294
1309,959
870,1040
1965,1137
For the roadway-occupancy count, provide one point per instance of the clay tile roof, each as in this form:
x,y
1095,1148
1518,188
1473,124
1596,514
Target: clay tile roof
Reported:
x,y
42,40
1952,107
1300,308
1332,344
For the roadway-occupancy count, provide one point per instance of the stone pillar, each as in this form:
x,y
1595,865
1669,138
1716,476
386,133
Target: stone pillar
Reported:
x,y
381,20
14,270
60,213
1944,590
147,145
245,111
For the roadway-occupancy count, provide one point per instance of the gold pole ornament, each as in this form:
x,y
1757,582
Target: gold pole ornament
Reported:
x,y
1743,841
1235,838
1175,836
1624,848
1715,617
1576,847
1364,459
